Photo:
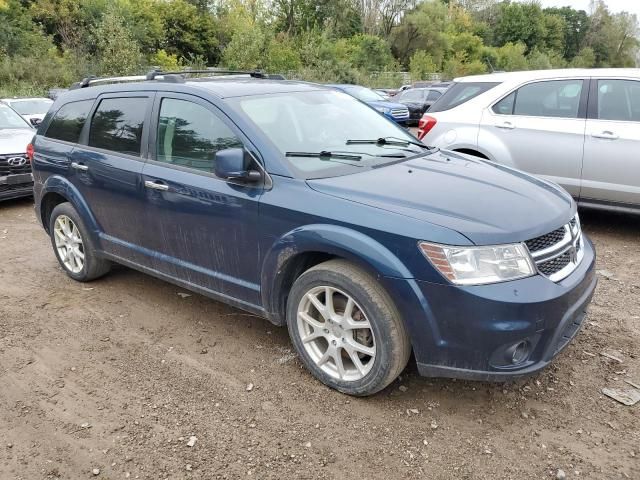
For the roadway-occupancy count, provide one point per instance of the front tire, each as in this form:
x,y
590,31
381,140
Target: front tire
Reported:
x,y
73,247
346,329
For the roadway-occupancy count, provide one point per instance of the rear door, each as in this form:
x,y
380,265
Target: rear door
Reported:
x,y
106,168
611,171
540,128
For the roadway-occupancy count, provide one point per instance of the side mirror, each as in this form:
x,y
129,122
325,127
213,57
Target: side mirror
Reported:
x,y
231,164
35,121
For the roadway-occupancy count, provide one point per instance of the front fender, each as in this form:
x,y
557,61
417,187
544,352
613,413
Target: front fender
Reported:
x,y
329,239
62,186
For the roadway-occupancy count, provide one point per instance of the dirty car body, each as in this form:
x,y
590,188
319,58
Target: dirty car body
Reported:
x,y
395,214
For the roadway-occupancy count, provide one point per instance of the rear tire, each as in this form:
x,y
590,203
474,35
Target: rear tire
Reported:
x,y
73,247
346,329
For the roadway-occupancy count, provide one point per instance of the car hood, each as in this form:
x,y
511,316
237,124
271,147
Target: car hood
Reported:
x,y
382,104
15,140
486,202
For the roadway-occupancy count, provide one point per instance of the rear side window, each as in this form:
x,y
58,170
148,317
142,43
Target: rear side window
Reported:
x,y
189,135
460,93
68,121
619,100
117,125
554,98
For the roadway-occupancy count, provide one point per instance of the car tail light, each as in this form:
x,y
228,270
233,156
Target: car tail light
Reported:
x,y
425,125
30,152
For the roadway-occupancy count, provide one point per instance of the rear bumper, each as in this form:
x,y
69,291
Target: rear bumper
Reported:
x,y
472,332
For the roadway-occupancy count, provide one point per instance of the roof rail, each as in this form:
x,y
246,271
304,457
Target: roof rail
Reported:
x,y
160,75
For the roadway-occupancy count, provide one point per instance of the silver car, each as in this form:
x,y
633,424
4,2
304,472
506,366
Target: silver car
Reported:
x,y
15,166
579,128
32,110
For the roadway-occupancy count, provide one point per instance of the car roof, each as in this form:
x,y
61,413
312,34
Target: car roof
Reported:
x,y
558,73
239,87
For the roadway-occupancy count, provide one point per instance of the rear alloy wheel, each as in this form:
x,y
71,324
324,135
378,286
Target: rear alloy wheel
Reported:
x,y
73,246
68,242
346,329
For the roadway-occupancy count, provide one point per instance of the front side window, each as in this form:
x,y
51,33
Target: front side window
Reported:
x,y
554,98
619,100
190,135
117,125
10,119
68,121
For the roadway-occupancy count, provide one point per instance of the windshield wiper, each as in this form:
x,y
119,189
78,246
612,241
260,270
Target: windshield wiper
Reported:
x,y
388,141
324,155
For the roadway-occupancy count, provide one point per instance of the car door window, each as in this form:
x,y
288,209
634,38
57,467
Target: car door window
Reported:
x,y
505,106
554,98
68,121
619,100
433,95
189,135
117,125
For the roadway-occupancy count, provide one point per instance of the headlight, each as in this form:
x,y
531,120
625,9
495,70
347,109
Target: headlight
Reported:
x,y
480,265
383,110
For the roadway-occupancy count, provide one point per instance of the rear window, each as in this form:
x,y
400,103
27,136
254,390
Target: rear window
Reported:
x,y
117,125
68,121
460,93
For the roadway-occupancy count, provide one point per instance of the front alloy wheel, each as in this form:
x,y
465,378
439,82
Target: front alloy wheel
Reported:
x,y
346,329
336,333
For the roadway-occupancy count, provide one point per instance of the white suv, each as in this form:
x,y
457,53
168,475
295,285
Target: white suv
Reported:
x,y
578,128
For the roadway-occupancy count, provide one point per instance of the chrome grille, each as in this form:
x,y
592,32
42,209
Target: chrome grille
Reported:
x,y
7,169
400,112
558,253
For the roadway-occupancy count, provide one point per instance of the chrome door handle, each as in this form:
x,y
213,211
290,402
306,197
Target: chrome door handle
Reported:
x,y
156,186
79,166
607,135
506,125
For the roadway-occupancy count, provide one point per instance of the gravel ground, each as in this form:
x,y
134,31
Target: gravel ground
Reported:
x,y
125,378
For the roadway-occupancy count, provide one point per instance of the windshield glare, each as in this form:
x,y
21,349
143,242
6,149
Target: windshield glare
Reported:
x,y
324,120
31,107
364,94
10,119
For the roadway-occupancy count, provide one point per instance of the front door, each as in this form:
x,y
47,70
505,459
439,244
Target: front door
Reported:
x,y
540,128
202,229
611,172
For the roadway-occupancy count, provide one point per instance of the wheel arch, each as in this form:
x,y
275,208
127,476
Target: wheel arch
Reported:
x,y
305,247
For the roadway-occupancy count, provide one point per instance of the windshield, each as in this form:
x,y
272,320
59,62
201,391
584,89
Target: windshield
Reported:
x,y
323,121
364,94
31,107
10,119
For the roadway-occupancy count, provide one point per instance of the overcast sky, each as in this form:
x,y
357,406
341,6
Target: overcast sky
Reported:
x,y
631,6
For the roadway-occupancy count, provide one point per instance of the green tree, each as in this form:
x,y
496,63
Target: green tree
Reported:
x,y
118,52
521,22
421,65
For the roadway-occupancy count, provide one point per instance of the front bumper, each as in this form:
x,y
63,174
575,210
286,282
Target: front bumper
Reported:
x,y
15,186
471,332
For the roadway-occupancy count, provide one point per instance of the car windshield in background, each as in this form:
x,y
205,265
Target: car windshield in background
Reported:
x,y
324,121
364,94
460,93
31,107
10,119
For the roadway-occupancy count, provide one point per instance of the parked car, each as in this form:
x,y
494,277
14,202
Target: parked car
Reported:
x,y
418,101
392,110
298,203
578,128
15,168
32,110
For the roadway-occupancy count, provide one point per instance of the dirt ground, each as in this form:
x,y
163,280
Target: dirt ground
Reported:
x,y
120,374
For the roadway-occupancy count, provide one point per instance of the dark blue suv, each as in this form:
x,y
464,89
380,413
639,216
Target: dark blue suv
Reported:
x,y
300,204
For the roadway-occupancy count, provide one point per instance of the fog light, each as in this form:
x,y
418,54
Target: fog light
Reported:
x,y
518,353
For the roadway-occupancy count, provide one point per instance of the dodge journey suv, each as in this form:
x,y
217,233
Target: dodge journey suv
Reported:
x,y
301,204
